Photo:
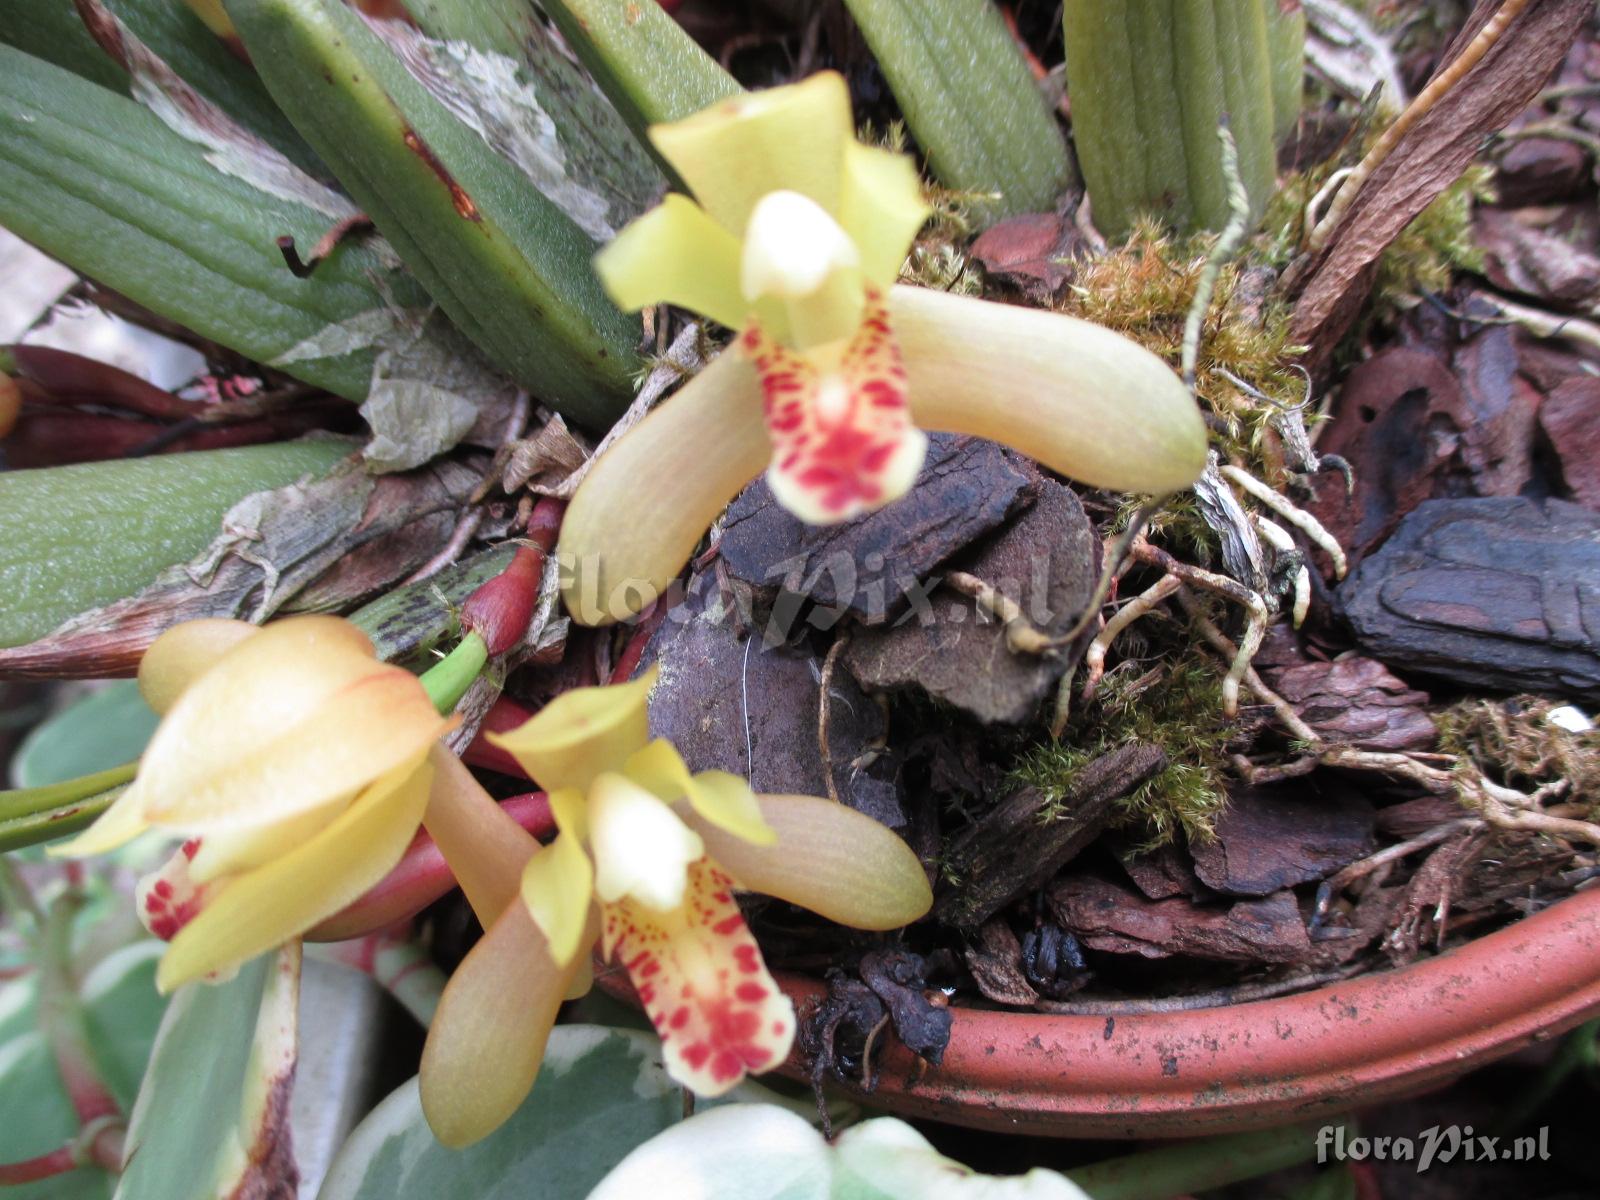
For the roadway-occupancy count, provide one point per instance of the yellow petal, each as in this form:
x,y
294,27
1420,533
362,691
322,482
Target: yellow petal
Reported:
x,y
287,721
1080,399
118,825
483,844
488,1035
641,847
241,848
881,207
582,733
783,139
723,799
801,272
728,803
659,768
185,652
648,500
558,882
829,858
791,246
700,977
675,254
266,907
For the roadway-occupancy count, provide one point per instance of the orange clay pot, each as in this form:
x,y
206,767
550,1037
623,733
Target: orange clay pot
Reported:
x,y
1249,1066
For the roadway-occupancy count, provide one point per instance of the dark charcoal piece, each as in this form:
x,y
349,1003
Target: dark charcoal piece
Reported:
x,y
872,565
1268,840
717,690
1047,561
1498,593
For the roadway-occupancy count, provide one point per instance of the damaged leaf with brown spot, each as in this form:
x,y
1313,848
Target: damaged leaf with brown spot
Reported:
x,y
212,1118
508,266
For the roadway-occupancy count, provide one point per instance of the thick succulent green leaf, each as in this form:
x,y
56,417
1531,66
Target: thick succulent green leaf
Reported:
x,y
211,1111
1150,81
600,1093
652,70
1286,45
74,538
123,1011
104,729
970,100
550,106
53,31
98,181
508,266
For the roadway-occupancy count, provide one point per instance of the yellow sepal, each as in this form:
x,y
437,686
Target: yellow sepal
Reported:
x,y
582,733
266,907
675,254
558,882
783,139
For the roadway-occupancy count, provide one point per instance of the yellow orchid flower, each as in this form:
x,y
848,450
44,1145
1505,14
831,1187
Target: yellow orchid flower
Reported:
x,y
646,862
796,241
296,765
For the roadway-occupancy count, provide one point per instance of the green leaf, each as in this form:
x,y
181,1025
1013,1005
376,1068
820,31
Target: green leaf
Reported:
x,y
547,105
39,1120
105,729
54,32
970,100
761,1150
508,266
1150,81
75,538
886,1159
737,1150
643,60
600,1093
98,181
123,1011
211,1110
1286,46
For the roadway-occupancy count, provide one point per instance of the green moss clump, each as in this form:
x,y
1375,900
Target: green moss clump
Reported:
x,y
1180,710
1144,288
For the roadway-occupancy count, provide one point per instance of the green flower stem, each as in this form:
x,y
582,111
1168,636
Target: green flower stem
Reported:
x,y
449,678
32,815
1198,1165
61,1019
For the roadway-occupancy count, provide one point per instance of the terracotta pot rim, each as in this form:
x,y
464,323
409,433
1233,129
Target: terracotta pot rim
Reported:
x,y
1260,1063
